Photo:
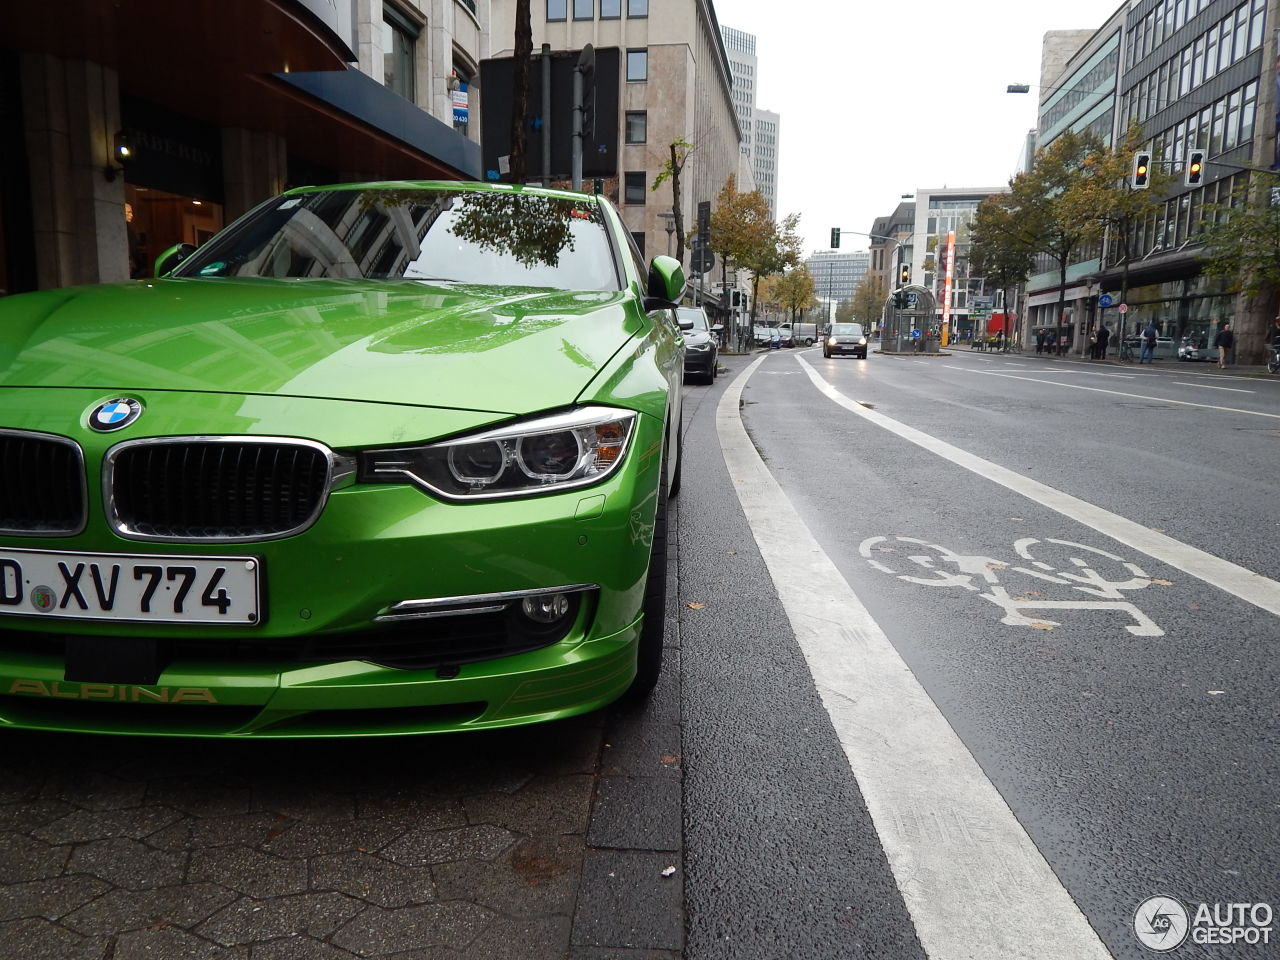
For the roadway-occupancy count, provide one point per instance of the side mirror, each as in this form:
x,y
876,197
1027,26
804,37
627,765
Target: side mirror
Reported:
x,y
686,324
171,258
666,284
717,328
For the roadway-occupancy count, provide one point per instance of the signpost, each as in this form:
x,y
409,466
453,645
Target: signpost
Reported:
x,y
1106,300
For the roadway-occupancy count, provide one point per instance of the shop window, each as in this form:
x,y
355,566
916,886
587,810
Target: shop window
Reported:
x,y
155,220
634,190
637,126
637,65
400,42
557,9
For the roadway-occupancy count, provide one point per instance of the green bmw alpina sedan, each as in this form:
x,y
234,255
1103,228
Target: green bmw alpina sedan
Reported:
x,y
382,458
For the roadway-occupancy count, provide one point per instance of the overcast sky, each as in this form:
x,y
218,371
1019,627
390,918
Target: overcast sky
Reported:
x,y
880,98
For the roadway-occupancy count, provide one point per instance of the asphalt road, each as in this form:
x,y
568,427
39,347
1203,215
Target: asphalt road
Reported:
x,y
968,656
1131,729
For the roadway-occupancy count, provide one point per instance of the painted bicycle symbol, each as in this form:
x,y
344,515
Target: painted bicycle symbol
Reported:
x,y
1085,571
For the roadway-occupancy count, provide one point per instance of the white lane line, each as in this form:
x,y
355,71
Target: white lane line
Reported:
x,y
983,359
1117,393
1121,376
974,883
1236,580
1207,386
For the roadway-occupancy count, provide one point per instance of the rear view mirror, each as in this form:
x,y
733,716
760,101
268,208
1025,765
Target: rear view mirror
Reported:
x,y
171,258
665,284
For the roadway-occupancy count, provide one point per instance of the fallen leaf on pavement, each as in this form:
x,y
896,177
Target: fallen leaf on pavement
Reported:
x,y
1042,626
1163,583
694,605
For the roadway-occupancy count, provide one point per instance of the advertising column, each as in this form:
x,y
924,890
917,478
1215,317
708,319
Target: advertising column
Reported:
x,y
947,282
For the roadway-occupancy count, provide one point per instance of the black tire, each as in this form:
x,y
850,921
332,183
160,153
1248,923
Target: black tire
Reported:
x,y
675,478
653,629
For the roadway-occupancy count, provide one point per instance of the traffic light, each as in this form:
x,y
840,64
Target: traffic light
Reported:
x,y
835,238
1141,178
1195,168
904,274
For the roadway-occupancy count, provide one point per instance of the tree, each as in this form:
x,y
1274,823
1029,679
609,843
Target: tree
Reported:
x,y
868,301
1117,205
777,250
671,169
1051,205
520,92
739,224
795,291
1000,250
1243,244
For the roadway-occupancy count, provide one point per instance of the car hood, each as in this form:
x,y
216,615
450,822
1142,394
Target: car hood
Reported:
x,y
500,349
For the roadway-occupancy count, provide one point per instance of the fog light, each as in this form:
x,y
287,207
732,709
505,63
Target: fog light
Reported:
x,y
547,608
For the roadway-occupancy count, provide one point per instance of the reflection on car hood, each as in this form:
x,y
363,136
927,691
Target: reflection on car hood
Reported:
x,y
501,349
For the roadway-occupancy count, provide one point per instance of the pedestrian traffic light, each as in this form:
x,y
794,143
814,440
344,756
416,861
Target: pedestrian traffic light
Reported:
x,y
904,274
835,238
1195,168
1141,178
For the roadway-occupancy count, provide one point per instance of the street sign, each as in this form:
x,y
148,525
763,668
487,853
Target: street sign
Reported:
x,y
1123,308
981,301
1106,300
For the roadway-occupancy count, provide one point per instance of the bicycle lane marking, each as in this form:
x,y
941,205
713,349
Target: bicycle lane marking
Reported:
x,y
972,880
1227,576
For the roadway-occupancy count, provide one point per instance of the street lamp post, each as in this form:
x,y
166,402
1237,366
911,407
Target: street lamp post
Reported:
x,y
669,217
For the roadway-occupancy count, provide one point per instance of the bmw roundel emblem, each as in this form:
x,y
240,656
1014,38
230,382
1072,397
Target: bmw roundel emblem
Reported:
x,y
115,414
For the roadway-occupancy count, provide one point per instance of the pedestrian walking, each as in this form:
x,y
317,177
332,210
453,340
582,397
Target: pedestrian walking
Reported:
x,y
1039,341
1148,337
1104,337
1225,341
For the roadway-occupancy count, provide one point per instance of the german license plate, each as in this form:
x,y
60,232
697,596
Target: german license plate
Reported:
x,y
145,588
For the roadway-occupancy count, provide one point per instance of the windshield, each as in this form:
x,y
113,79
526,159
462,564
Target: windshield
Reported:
x,y
696,315
504,238
847,329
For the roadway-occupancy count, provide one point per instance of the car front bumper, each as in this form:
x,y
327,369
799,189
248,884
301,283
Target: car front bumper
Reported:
x,y
318,663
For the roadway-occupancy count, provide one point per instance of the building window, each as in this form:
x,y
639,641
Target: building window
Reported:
x,y
610,9
637,126
557,9
400,39
637,65
584,9
638,237
637,8
634,190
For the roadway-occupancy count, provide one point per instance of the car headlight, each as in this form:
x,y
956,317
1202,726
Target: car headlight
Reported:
x,y
831,342
557,452
697,347
862,342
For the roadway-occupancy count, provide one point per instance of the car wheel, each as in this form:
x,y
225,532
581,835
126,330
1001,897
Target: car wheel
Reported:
x,y
654,625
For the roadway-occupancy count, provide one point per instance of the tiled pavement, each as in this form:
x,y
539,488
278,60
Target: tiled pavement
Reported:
x,y
545,842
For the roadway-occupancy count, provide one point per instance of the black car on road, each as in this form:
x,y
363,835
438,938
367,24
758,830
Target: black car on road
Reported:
x,y
845,338
700,350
